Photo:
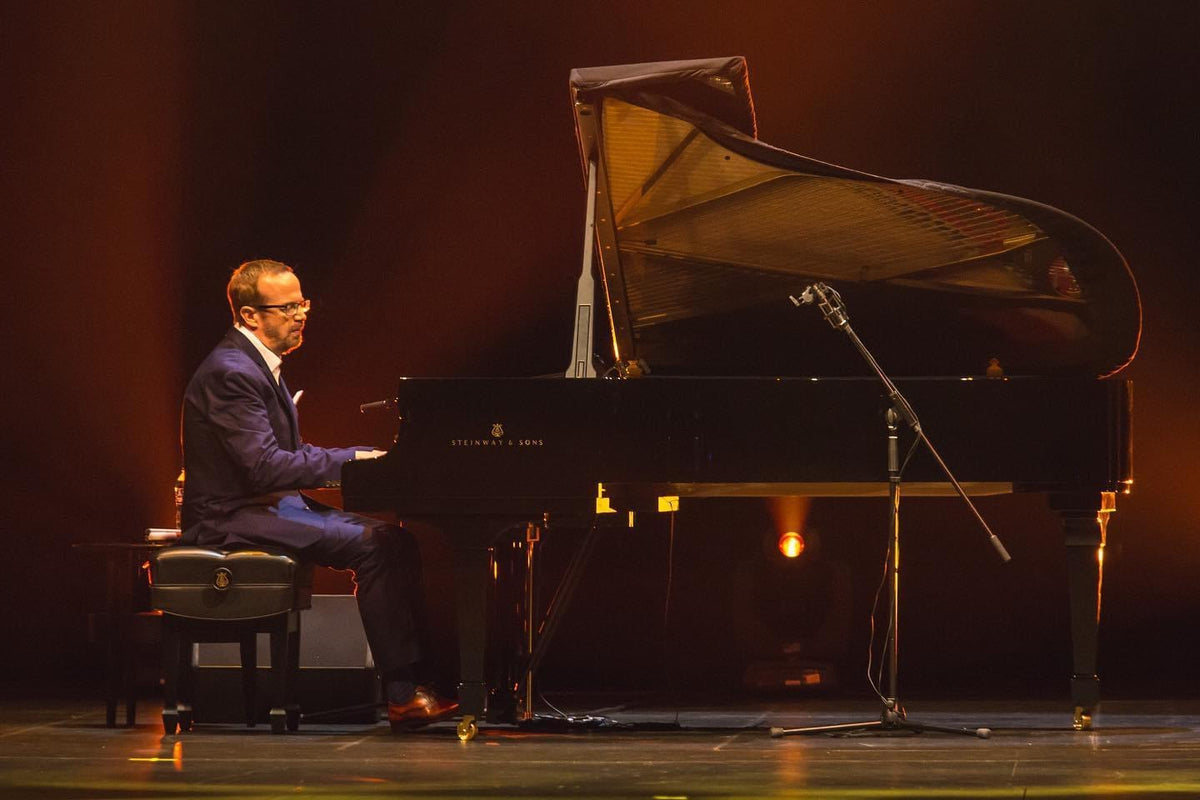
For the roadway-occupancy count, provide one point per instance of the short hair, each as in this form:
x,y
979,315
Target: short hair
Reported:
x,y
243,283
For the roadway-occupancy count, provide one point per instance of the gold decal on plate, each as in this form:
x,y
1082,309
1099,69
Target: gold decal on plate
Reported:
x,y
498,440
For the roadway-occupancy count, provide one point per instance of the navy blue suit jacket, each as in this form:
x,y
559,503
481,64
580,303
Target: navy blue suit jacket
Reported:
x,y
243,454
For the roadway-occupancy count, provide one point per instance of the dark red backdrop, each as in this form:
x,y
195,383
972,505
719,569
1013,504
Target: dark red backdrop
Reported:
x,y
417,163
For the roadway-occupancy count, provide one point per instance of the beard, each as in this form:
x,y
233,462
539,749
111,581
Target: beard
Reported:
x,y
293,341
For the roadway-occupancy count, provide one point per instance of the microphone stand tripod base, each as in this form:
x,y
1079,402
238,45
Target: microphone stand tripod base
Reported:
x,y
892,720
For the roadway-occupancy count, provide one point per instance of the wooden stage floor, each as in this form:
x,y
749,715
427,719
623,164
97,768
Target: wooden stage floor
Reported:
x,y
60,749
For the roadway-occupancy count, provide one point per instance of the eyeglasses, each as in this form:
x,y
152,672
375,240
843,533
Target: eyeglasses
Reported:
x,y
290,309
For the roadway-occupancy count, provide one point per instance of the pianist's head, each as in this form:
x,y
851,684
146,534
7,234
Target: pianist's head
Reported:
x,y
266,300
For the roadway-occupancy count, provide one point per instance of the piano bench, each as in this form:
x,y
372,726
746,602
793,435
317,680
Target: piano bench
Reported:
x,y
210,595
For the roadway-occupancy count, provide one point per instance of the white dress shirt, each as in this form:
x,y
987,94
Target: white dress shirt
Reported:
x,y
274,362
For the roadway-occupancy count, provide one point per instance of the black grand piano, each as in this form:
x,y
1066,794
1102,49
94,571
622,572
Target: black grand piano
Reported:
x,y
710,383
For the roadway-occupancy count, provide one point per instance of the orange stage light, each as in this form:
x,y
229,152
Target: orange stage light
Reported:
x,y
790,515
791,544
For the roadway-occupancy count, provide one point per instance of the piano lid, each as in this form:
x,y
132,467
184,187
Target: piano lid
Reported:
x,y
704,230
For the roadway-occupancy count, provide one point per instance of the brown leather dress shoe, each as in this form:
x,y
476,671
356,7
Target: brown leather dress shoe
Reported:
x,y
424,707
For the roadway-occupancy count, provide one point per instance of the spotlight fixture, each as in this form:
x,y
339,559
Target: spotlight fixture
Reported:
x,y
791,544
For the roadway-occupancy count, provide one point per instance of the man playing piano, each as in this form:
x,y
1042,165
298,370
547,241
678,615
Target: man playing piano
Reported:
x,y
244,462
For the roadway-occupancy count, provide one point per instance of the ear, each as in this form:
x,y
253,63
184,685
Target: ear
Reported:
x,y
249,317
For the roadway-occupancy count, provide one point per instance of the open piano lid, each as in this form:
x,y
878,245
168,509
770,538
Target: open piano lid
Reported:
x,y
704,231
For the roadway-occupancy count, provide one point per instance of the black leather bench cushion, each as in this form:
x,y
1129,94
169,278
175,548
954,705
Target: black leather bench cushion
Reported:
x,y
201,583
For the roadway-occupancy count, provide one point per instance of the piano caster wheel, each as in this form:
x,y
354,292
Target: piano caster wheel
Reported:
x,y
170,720
278,720
185,719
467,729
1083,719
293,718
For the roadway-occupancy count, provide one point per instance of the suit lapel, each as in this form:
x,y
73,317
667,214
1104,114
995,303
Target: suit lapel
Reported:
x,y
240,341
293,418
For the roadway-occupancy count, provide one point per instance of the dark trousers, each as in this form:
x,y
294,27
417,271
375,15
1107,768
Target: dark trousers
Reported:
x,y
384,559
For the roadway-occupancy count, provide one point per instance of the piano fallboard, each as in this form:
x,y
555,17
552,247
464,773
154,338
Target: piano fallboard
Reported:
x,y
532,445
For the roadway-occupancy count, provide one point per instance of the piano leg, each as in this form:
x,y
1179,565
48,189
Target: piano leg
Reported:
x,y
472,576
471,538
1085,520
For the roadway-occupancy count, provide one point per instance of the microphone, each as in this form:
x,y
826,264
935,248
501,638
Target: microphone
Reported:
x,y
379,405
827,299
804,299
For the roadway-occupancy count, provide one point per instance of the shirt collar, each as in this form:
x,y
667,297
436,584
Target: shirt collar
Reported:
x,y
274,362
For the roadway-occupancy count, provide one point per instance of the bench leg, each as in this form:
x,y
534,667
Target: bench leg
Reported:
x,y
248,645
175,662
280,662
291,699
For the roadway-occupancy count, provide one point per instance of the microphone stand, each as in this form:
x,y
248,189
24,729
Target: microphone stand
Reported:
x,y
893,716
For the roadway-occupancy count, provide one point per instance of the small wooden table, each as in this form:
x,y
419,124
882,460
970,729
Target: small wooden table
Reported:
x,y
124,625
